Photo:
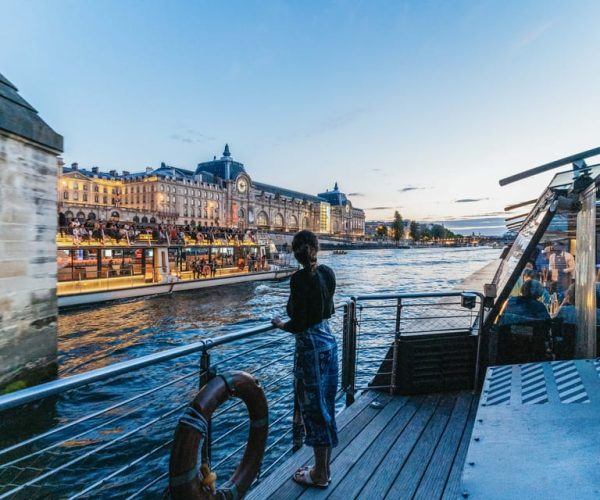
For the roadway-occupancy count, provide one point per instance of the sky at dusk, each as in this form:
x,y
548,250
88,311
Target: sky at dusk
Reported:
x,y
414,106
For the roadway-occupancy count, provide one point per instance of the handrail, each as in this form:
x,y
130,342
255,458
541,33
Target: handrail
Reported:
x,y
415,295
74,381
352,323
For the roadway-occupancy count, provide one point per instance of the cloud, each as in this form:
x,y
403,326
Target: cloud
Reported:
x,y
375,170
339,120
356,194
409,188
470,200
533,34
489,226
190,137
381,208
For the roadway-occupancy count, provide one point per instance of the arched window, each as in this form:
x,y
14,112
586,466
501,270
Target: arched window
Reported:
x,y
91,216
69,215
293,221
80,216
278,220
262,219
136,219
144,220
152,220
305,223
115,215
241,213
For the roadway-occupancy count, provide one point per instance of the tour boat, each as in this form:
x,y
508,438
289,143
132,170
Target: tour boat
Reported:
x,y
93,272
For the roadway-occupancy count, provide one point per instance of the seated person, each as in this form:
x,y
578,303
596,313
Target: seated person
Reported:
x,y
527,306
524,327
565,327
516,291
567,312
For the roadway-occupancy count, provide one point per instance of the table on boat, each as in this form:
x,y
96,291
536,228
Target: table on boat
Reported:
x,y
536,433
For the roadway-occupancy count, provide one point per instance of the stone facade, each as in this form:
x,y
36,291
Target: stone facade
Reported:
x,y
218,193
28,308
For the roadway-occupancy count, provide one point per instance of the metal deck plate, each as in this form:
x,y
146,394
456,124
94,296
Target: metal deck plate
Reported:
x,y
537,433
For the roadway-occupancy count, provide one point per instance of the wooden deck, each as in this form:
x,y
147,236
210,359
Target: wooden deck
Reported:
x,y
414,447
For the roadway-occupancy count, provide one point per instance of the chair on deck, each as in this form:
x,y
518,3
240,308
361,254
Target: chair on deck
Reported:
x,y
563,339
524,342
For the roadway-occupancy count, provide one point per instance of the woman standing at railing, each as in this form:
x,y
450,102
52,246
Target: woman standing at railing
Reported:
x,y
310,305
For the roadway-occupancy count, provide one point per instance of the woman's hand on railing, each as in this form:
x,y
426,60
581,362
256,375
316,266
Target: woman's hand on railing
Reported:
x,y
277,323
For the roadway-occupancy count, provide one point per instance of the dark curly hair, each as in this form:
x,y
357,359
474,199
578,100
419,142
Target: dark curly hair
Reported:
x,y
305,246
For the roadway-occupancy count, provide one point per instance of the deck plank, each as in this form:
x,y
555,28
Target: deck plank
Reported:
x,y
414,447
281,474
434,480
384,475
350,485
343,462
407,481
292,490
452,489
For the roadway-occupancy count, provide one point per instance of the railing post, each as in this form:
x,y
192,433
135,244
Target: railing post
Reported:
x,y
206,374
478,348
396,347
349,352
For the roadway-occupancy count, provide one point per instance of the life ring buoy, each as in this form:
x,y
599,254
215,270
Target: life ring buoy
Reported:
x,y
188,477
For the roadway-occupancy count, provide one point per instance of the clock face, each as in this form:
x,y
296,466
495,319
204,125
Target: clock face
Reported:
x,y
242,185
347,208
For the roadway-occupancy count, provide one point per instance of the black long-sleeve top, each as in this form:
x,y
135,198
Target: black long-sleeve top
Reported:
x,y
311,298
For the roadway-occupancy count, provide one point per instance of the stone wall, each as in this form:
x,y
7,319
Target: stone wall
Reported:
x,y
28,307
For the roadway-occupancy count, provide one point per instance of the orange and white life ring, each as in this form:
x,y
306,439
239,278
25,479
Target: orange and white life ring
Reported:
x,y
188,477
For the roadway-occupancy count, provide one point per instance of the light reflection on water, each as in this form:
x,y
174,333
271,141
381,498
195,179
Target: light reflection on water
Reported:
x,y
91,338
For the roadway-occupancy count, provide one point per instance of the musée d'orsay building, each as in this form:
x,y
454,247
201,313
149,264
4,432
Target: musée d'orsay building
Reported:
x,y
219,193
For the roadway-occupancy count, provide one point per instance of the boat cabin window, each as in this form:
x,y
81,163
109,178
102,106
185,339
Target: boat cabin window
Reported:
x,y
78,264
192,255
121,262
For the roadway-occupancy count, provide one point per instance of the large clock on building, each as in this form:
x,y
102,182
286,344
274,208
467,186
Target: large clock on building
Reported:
x,y
241,185
347,208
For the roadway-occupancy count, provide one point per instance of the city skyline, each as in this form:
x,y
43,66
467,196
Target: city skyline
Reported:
x,y
419,108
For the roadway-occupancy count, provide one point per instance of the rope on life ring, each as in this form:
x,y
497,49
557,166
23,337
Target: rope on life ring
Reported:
x,y
191,479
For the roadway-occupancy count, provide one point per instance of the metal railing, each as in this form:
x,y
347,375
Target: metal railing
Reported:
x,y
374,325
109,431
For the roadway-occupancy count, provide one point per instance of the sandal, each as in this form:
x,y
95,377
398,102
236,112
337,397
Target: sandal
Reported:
x,y
302,476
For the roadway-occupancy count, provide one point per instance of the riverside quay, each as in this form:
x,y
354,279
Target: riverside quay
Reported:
x,y
218,193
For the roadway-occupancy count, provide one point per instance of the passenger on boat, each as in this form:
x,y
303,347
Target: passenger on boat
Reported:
x,y
525,275
195,269
524,327
567,312
310,305
561,265
542,262
527,306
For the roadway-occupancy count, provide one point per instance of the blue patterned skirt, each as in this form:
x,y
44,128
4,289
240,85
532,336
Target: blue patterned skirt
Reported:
x,y
316,380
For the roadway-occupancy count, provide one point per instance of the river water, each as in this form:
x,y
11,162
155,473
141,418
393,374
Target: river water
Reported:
x,y
91,338
95,337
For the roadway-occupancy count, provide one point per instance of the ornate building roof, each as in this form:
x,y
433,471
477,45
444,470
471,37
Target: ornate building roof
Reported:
x,y
334,197
225,168
286,192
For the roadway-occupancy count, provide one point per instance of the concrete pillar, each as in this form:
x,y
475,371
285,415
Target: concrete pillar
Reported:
x,y
28,177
